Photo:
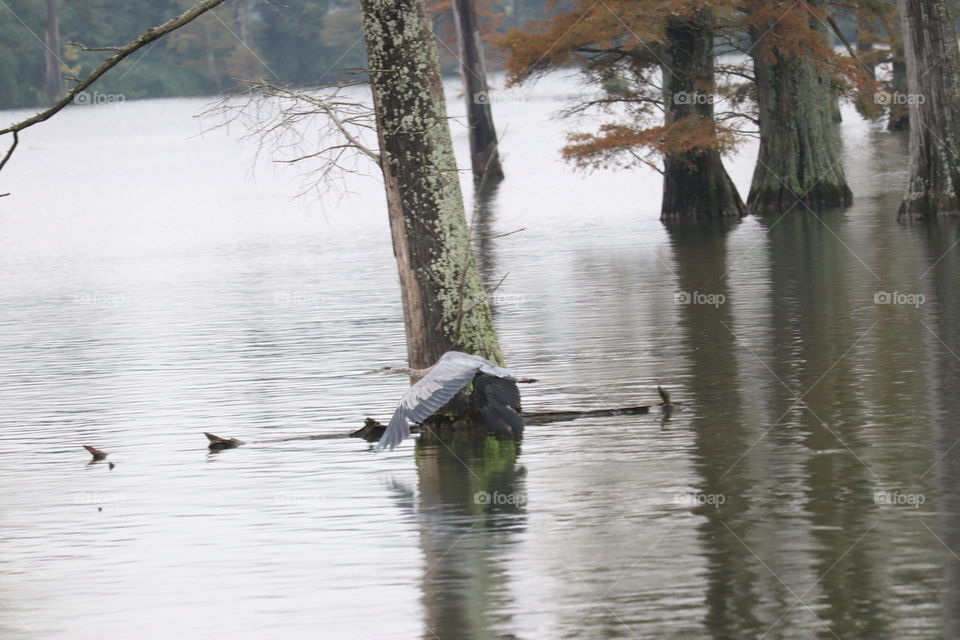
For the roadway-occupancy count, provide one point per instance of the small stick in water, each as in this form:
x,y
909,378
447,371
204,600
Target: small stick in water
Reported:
x,y
667,403
96,453
216,442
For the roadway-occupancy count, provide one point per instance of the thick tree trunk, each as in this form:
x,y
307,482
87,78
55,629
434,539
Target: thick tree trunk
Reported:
x,y
54,79
933,85
443,299
695,183
483,135
800,154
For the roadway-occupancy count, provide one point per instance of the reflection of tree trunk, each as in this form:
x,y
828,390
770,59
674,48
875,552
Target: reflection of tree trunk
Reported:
x,y
733,576
933,74
472,503
443,297
815,359
695,183
484,216
944,265
800,155
484,156
54,79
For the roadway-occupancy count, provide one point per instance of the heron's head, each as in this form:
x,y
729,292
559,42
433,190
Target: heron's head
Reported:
x,y
388,370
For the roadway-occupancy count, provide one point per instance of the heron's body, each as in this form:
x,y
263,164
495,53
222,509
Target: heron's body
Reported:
x,y
498,399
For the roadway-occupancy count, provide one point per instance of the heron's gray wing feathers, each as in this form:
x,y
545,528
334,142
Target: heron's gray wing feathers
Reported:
x,y
451,374
493,370
397,431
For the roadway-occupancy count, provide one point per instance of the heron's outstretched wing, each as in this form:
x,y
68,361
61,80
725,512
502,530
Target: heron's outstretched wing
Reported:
x,y
451,374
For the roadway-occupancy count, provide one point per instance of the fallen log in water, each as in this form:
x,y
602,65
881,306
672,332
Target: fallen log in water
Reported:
x,y
372,430
544,417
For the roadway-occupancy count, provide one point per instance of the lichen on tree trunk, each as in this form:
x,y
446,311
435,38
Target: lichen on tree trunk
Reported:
x,y
800,151
933,81
443,298
695,182
484,155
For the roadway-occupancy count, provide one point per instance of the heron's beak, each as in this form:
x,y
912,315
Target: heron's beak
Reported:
x,y
368,373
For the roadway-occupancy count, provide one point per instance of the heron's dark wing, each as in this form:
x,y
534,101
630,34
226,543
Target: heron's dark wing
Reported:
x,y
451,374
499,401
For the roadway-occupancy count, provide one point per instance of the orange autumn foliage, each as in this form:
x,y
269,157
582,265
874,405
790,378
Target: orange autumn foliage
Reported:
x,y
619,43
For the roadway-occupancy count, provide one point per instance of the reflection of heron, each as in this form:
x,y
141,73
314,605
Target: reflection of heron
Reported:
x,y
496,395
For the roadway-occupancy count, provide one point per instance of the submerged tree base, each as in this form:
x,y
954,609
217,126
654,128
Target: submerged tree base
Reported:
x,y
780,199
928,207
698,187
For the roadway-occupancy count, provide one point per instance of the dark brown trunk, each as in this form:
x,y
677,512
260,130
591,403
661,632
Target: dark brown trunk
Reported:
x,y
865,38
933,89
484,156
443,299
899,118
52,41
695,183
799,161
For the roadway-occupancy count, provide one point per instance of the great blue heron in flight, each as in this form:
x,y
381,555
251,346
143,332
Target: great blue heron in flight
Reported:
x,y
497,396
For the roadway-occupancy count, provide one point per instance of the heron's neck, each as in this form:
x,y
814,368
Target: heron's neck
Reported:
x,y
413,373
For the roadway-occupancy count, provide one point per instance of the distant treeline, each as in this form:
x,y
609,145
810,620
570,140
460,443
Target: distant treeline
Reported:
x,y
300,42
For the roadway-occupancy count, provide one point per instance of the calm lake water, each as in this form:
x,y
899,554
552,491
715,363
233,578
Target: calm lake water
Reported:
x,y
156,283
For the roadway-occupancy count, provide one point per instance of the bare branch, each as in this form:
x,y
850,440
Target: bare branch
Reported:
x,y
325,128
84,47
16,141
501,235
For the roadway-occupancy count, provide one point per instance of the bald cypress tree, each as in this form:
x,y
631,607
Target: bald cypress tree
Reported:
x,y
933,81
695,182
800,154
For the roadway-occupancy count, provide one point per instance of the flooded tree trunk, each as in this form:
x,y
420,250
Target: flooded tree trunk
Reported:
x,y
899,118
443,299
933,84
484,156
695,183
800,154
52,37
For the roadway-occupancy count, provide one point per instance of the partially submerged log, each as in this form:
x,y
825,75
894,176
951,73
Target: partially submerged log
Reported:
x,y
544,417
96,453
217,443
372,430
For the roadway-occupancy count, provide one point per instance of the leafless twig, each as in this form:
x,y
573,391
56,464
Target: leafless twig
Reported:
x,y
326,128
84,47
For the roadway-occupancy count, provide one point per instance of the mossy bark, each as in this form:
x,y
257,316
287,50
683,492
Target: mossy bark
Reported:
x,y
484,156
695,183
933,83
443,299
799,161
